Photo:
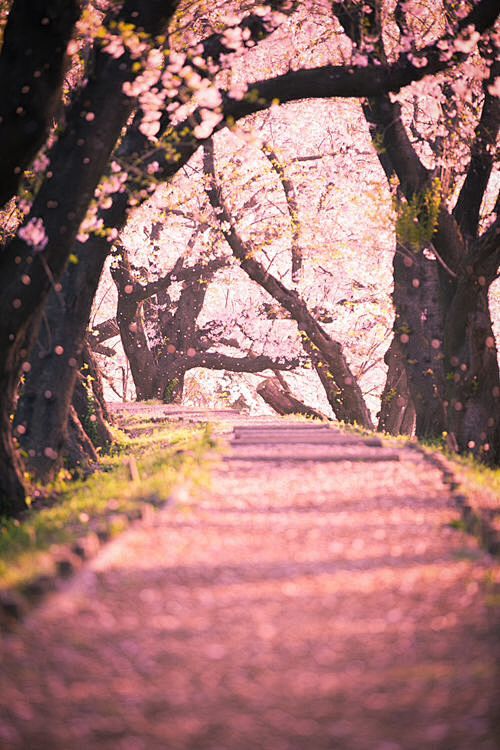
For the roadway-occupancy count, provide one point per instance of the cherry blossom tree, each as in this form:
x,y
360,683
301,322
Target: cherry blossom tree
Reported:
x,y
58,354
126,60
160,333
33,261
445,260
343,392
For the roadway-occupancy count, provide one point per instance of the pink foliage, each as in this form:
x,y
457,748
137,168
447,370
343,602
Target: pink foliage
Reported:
x,y
34,234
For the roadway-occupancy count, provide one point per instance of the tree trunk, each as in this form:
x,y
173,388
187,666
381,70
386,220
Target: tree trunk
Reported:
x,y
93,417
143,364
276,392
473,383
419,327
33,52
397,413
45,403
12,492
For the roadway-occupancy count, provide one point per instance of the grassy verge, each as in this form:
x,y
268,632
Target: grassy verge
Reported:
x,y
148,465
476,489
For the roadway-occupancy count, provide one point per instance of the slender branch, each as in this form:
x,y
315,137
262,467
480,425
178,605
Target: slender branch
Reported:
x,y
293,207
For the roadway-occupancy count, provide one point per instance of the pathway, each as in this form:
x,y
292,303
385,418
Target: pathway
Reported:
x,y
315,599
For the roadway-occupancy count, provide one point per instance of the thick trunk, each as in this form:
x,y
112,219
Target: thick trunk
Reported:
x,y
417,296
46,399
32,67
276,392
12,492
397,413
473,384
129,317
419,326
143,364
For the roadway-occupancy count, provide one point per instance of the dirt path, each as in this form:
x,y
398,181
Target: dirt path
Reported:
x,y
302,605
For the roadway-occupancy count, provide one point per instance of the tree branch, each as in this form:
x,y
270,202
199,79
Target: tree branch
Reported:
x,y
258,363
468,206
108,329
397,154
32,68
189,274
177,143
293,207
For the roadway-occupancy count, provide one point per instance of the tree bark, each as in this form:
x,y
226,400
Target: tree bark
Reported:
x,y
46,398
419,326
277,394
143,363
11,469
12,491
32,66
397,413
473,385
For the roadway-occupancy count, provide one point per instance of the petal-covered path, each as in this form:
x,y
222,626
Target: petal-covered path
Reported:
x,y
317,598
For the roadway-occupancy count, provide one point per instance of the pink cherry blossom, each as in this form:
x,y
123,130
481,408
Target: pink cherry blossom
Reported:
x,y
115,47
34,234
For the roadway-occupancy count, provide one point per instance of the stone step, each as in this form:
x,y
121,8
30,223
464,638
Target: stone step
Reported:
x,y
310,453
287,438
280,426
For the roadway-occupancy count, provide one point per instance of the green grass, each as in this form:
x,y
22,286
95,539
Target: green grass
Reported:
x,y
167,457
304,418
